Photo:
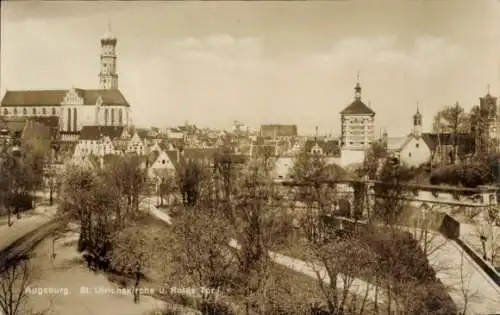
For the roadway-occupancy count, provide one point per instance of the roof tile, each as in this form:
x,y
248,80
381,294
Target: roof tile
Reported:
x,y
56,97
357,107
97,132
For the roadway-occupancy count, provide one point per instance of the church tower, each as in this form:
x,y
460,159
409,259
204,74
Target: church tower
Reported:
x,y
108,78
417,124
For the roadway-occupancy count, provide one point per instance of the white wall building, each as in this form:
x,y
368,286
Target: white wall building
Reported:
x,y
75,107
357,129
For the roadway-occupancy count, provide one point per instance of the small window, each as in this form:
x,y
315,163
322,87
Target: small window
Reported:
x,y
409,154
33,111
44,111
162,161
53,110
417,145
5,111
15,111
25,111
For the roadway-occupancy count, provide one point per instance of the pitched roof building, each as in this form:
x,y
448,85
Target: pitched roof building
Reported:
x,y
74,107
357,123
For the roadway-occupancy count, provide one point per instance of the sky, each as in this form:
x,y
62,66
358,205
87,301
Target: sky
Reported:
x,y
209,63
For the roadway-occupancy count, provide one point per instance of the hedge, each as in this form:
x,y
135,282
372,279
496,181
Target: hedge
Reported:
x,y
468,175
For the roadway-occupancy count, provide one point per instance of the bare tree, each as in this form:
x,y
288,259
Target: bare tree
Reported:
x,y
127,175
20,174
15,281
344,259
133,253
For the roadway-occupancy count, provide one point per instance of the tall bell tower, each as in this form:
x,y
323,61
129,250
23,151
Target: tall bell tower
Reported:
x,y
108,78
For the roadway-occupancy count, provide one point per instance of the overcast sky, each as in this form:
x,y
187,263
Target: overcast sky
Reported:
x,y
261,62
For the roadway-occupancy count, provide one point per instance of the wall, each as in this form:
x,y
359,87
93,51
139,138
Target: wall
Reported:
x,y
49,111
348,157
416,152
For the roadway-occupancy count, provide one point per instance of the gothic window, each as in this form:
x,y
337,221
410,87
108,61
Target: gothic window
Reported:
x,y
5,111
33,111
120,117
69,119
75,119
25,111
53,111
106,116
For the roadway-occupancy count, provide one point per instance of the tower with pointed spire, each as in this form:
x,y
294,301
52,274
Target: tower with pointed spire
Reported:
x,y
417,123
108,77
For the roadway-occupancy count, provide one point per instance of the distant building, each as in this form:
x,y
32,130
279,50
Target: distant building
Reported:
x,y
278,131
98,140
357,129
487,128
418,147
75,108
25,132
323,147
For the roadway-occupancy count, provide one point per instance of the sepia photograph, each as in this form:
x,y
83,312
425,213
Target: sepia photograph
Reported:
x,y
261,157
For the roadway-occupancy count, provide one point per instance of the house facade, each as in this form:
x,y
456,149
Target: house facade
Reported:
x,y
98,141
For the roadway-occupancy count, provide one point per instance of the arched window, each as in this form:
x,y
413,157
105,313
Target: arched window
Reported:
x,y
25,111
44,111
69,119
53,111
106,116
15,111
120,117
5,111
75,120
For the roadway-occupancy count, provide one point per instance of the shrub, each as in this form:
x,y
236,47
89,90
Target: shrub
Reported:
x,y
468,175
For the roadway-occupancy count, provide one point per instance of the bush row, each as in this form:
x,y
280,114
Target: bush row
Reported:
x,y
468,175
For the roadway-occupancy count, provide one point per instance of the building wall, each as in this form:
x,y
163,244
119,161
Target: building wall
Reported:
x,y
30,111
106,113
415,152
95,147
357,131
348,157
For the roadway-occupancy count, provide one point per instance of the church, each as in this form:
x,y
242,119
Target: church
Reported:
x,y
75,108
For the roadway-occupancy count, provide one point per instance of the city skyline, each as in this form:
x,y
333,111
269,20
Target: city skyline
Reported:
x,y
292,63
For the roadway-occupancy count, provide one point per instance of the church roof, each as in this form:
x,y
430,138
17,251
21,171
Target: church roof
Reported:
x,y
97,132
357,108
56,97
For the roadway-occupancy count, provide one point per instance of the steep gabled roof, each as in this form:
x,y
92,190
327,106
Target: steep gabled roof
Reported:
x,y
357,107
49,121
56,97
464,140
199,153
97,132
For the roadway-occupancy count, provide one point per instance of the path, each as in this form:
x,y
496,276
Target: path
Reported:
x,y
458,272
76,290
463,274
27,224
306,268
